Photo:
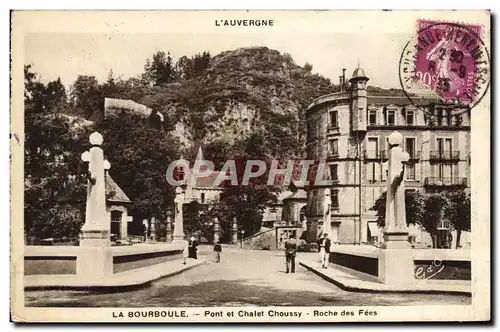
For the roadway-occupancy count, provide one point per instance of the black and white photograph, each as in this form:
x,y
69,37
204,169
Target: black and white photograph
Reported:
x,y
250,166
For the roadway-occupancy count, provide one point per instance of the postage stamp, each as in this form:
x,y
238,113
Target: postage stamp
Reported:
x,y
250,166
447,59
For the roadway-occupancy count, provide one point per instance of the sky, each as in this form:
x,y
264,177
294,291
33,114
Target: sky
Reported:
x,y
68,55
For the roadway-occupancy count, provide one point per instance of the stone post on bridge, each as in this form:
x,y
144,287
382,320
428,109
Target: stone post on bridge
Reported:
x,y
234,231
395,263
96,229
216,230
153,230
168,232
94,260
179,219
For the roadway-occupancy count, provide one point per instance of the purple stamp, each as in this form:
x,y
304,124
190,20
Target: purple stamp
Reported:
x,y
447,60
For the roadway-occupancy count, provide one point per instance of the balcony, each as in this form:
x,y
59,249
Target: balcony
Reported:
x,y
375,155
332,128
415,155
333,155
444,155
445,182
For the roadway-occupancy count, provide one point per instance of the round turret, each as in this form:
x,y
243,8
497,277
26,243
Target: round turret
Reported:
x,y
358,73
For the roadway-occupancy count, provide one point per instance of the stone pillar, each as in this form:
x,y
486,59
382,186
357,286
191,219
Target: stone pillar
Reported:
x,y
145,222
395,257
335,234
216,230
124,225
152,235
327,203
364,230
179,221
234,234
168,235
96,229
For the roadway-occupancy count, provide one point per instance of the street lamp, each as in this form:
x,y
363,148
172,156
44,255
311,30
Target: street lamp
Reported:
x,y
242,232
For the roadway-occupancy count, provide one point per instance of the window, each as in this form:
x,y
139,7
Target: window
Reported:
x,y
440,117
410,117
410,146
371,173
444,147
448,117
410,171
391,118
372,117
335,199
372,147
334,176
334,147
444,224
445,172
202,198
333,119
116,216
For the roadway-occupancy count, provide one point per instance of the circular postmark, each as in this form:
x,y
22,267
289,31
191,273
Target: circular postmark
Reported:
x,y
445,61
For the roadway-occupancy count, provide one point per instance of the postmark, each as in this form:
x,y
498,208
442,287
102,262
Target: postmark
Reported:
x,y
448,61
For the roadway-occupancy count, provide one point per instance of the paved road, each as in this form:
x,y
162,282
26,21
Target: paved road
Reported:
x,y
243,278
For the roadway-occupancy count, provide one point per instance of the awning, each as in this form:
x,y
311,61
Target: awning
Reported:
x,y
374,230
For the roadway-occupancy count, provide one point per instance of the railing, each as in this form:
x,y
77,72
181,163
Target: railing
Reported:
x,y
444,155
333,127
333,154
329,97
415,155
445,181
375,154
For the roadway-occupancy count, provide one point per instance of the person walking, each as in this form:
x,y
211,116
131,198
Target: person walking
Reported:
x,y
218,250
290,252
324,244
192,248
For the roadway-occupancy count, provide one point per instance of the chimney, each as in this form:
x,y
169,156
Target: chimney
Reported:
x,y
343,79
341,84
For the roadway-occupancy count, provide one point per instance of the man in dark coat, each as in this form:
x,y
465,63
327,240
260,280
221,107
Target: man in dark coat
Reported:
x,y
324,244
192,248
218,250
290,252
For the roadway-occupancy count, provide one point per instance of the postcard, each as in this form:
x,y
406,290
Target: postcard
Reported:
x,y
250,166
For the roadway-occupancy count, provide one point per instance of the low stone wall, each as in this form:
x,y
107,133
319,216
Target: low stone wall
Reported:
x,y
44,260
130,261
443,264
360,258
50,260
49,265
368,265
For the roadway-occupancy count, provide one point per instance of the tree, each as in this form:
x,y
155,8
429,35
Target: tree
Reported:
x,y
308,67
458,212
435,204
54,191
414,203
87,96
247,202
160,69
139,157
56,97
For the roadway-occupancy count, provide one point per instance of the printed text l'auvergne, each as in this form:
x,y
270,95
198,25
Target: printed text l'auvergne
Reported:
x,y
244,23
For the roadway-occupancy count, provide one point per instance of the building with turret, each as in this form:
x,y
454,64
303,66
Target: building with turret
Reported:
x,y
348,129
